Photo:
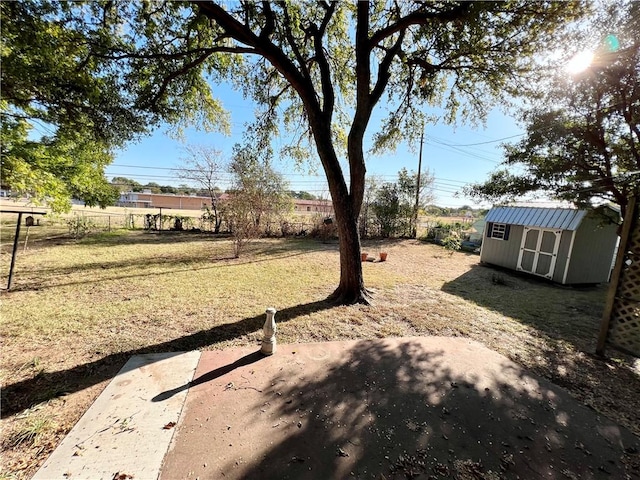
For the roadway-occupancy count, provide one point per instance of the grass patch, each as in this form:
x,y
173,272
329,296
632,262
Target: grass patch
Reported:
x,y
81,308
30,431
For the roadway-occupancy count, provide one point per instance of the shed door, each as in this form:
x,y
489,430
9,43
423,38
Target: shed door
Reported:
x,y
539,251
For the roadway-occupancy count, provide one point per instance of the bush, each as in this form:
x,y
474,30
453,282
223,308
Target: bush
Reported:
x,y
452,242
80,226
325,229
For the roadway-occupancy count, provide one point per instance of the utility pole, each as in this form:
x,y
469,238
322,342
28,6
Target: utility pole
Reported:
x,y
415,208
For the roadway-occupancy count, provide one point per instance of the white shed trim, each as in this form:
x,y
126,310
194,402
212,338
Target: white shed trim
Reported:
x,y
537,252
566,267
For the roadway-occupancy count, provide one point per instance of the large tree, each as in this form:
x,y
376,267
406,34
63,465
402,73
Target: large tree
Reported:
x,y
582,141
324,66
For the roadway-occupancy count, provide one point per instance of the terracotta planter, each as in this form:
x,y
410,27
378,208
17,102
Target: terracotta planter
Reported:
x,y
383,256
364,256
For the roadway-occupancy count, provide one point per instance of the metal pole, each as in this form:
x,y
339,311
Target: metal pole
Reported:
x,y
26,239
415,213
15,251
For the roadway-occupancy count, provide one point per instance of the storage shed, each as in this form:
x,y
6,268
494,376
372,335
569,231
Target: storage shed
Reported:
x,y
565,245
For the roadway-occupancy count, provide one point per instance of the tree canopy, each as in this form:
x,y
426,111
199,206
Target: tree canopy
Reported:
x,y
317,68
582,141
55,76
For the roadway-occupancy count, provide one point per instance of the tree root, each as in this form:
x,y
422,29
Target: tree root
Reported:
x,y
341,296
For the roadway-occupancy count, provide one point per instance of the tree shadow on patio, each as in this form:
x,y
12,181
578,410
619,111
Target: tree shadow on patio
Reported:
x,y
394,409
564,323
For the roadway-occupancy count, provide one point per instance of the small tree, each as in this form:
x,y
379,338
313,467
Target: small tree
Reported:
x,y
204,166
240,219
386,208
395,203
259,194
414,195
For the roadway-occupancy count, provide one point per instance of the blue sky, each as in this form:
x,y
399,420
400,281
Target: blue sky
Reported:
x,y
455,155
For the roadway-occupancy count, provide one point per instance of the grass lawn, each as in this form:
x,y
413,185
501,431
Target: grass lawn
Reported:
x,y
80,308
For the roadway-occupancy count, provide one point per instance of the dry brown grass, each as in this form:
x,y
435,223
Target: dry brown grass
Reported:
x,y
80,309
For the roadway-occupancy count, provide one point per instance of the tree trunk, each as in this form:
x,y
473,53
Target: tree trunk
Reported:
x,y
351,288
346,206
217,220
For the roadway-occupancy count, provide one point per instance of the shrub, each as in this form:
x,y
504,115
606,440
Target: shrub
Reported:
x,y
452,242
80,226
324,228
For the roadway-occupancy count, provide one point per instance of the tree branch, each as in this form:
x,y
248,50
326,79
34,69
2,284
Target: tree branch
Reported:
x,y
168,79
383,70
176,56
263,47
363,67
328,94
292,43
420,18
269,21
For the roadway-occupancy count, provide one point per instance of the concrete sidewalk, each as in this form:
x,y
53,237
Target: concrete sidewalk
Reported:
x,y
424,407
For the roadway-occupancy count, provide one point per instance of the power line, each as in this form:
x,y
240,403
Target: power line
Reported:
x,y
446,146
484,143
300,183
195,170
319,175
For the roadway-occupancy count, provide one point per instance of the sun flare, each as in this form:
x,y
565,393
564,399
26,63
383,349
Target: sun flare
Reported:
x,y
580,62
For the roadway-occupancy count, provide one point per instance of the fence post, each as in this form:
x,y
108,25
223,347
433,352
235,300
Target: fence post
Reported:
x,y
15,250
615,277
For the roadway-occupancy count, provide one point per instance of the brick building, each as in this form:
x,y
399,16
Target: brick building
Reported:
x,y
163,200
191,202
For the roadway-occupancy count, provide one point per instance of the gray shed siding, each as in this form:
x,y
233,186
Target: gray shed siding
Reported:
x,y
592,253
503,253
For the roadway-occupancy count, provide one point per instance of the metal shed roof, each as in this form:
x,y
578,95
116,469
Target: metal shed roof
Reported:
x,y
561,218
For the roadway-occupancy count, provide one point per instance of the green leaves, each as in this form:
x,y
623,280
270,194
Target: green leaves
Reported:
x,y
258,194
98,75
54,170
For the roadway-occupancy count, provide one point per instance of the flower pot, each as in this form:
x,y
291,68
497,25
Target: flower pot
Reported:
x,y
383,256
364,256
